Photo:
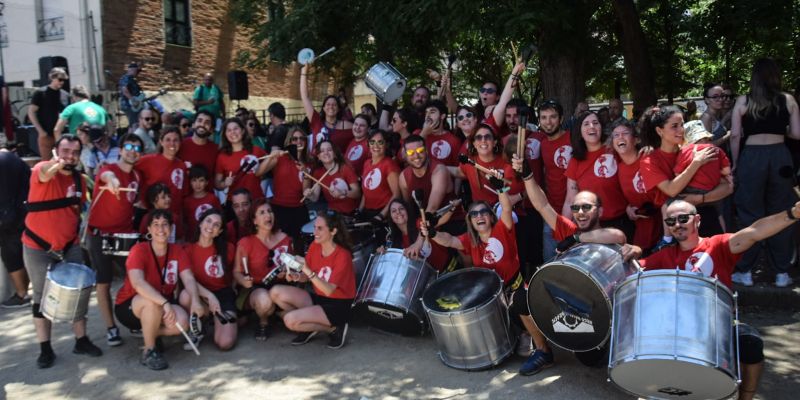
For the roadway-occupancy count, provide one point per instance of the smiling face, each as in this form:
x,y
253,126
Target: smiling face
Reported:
x,y
418,157
159,229
211,226
360,128
467,121
130,156
170,144
298,139
202,125
331,107
480,216
549,121
70,152
484,142
672,133
399,214
233,132
591,132
683,231
586,220
325,153
623,140
322,232
377,145
715,98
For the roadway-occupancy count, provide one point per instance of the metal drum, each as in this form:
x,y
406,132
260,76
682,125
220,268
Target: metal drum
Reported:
x,y
364,245
389,297
570,297
469,318
66,292
673,337
119,244
307,235
387,83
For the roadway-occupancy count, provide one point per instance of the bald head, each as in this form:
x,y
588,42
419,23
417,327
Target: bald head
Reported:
x,y
586,210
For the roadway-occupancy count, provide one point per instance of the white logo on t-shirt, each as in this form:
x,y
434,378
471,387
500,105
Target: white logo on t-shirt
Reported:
x,y
562,156
638,183
131,195
200,210
355,152
441,149
700,262
213,267
325,273
534,148
171,277
177,178
605,166
373,179
494,251
339,184
276,258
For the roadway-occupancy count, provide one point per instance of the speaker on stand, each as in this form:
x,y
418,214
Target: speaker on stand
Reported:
x,y
238,88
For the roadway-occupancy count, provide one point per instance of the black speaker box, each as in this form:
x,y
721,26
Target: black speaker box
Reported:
x,y
237,85
48,63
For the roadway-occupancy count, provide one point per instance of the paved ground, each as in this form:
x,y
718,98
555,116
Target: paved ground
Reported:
x,y
373,365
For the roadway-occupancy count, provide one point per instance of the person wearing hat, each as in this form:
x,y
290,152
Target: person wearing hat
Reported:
x,y
128,89
46,104
101,149
81,112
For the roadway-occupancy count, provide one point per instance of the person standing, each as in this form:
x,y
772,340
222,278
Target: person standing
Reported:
x,y
208,97
47,103
129,89
81,111
14,183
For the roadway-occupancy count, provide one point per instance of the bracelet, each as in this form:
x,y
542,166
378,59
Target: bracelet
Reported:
x,y
312,275
529,177
504,189
164,303
790,215
577,237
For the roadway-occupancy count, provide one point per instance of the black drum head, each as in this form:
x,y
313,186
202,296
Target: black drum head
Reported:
x,y
390,318
462,290
569,308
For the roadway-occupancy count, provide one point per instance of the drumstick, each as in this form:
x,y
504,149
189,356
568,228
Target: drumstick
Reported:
x,y
270,155
466,160
120,189
523,121
316,180
316,183
244,265
188,339
323,53
419,204
797,191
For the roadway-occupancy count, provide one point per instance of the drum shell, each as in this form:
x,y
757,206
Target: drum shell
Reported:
x,y
673,337
474,338
389,296
66,292
119,244
387,83
570,297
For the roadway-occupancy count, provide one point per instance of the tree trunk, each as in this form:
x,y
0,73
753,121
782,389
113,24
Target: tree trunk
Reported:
x,y
636,55
563,78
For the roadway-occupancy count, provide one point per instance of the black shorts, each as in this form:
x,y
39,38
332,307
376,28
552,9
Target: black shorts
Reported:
x,y
125,315
11,251
226,298
518,306
751,347
338,311
103,264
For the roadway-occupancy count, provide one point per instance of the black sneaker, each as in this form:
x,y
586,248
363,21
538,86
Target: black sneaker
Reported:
x,y
337,338
154,360
303,338
160,346
85,346
112,337
46,359
262,333
16,302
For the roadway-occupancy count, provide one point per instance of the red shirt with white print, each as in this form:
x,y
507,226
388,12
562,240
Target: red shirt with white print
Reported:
x,y
194,207
109,213
200,154
287,187
232,163
712,256
162,273
57,227
357,152
655,168
709,175
335,268
155,168
648,230
319,132
498,254
598,174
443,147
208,267
259,262
556,155
479,184
341,180
375,183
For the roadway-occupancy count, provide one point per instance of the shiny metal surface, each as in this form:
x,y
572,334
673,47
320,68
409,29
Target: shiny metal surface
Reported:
x,y
387,83
66,292
119,244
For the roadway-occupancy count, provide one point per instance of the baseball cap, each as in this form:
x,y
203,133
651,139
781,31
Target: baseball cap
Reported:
x,y
96,132
695,131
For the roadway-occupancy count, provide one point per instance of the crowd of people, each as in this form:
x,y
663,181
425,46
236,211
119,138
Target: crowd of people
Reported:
x,y
219,203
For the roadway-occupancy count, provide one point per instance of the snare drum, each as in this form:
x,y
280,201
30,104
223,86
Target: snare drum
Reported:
x,y
673,337
387,83
389,297
570,297
118,244
469,318
66,292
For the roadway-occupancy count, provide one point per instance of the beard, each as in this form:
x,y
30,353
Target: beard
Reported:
x,y
549,133
70,167
202,133
592,224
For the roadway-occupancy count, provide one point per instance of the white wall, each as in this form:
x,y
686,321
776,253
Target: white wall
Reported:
x,y
21,57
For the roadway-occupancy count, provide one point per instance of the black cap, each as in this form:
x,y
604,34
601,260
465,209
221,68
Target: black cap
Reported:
x,y
133,65
96,132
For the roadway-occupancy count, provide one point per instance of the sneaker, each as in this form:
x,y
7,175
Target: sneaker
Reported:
x,y
46,360
743,278
783,280
536,363
525,345
160,348
112,337
136,333
85,346
262,333
196,339
303,338
16,302
337,338
154,360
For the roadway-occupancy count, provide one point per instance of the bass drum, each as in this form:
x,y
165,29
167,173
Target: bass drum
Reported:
x,y
673,337
389,297
469,318
570,297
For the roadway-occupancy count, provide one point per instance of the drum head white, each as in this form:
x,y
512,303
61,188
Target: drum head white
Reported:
x,y
304,56
672,379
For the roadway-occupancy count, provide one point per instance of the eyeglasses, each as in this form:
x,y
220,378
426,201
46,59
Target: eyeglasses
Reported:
x,y
379,142
132,147
578,207
487,137
488,90
184,125
298,139
478,213
719,97
149,119
61,79
465,116
418,150
680,218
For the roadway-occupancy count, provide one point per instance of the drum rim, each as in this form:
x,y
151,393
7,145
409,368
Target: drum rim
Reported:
x,y
674,273
471,309
627,360
124,235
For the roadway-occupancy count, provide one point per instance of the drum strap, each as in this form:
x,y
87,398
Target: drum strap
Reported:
x,y
48,205
161,268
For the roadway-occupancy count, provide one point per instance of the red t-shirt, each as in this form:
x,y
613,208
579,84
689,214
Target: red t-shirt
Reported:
x,y
357,152
338,137
336,268
498,254
154,168
424,182
287,187
208,268
478,183
230,164
598,174
194,207
375,183
259,262
708,176
648,230
110,214
57,227
341,180
162,274
196,154
655,168
712,256
233,234
564,228
556,155
443,147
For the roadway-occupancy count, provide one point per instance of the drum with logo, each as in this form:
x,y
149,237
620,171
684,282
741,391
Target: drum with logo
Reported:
x,y
118,244
386,82
389,296
66,292
570,297
469,318
673,337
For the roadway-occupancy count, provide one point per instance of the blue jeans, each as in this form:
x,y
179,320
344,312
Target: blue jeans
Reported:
x,y
548,243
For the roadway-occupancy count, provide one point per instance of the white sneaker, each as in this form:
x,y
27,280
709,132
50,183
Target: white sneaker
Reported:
x,y
195,339
524,345
743,278
783,280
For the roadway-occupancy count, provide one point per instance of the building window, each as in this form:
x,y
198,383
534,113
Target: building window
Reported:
x,y
49,20
177,22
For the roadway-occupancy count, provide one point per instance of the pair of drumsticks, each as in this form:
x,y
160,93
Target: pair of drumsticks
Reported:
x,y
317,181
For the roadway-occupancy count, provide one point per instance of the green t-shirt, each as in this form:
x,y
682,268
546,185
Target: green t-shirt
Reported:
x,y
204,93
84,111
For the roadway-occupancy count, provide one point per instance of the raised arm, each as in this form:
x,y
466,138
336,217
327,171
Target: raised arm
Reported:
x,y
535,193
794,117
499,111
307,105
763,228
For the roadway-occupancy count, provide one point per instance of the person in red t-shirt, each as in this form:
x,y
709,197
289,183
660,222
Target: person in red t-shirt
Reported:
x,y
404,235
199,201
211,257
429,176
198,149
146,300
556,154
112,213
442,144
238,161
165,167
403,122
329,123
258,265
466,126
331,169
358,150
379,182
328,266
716,256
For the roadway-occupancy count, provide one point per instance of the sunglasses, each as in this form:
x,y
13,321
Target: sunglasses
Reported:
x,y
578,207
379,142
184,125
465,116
298,138
478,213
61,79
488,90
132,147
487,137
149,119
680,218
418,150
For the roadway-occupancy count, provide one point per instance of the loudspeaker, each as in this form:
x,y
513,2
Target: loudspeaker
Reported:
x,y
237,85
48,63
